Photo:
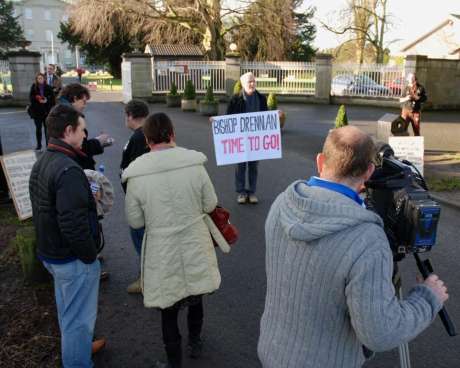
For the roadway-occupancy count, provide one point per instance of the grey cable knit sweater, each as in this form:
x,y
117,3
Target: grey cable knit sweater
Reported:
x,y
329,289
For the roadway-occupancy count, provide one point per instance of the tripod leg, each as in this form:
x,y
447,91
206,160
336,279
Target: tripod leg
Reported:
x,y
404,354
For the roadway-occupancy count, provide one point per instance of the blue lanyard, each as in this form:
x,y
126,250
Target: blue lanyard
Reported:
x,y
336,187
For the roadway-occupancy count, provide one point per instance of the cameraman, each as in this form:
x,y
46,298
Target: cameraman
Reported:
x,y
329,269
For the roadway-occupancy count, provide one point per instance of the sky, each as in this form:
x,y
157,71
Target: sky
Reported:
x,y
411,19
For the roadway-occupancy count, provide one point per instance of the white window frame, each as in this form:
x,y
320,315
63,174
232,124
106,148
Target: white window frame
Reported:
x,y
47,14
49,35
28,14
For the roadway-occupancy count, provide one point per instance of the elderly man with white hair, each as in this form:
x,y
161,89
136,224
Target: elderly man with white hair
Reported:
x,y
249,100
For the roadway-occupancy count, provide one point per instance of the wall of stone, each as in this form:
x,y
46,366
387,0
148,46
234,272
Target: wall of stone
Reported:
x,y
442,83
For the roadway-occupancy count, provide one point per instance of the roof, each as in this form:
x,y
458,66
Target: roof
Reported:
x,y
448,21
174,50
62,1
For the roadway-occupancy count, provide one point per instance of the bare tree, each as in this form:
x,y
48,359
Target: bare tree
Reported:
x,y
181,21
365,22
266,30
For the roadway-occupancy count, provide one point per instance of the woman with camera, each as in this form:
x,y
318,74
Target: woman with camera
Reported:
x,y
169,192
41,98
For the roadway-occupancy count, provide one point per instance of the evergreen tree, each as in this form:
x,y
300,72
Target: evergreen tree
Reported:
x,y
11,34
109,54
341,120
173,89
237,88
189,91
301,48
209,97
272,102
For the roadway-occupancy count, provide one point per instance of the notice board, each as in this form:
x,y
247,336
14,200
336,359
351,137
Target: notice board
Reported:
x,y
17,167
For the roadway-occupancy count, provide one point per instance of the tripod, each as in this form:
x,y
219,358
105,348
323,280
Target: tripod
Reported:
x,y
425,269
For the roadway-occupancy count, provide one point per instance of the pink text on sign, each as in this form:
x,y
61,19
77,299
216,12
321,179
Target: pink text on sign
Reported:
x,y
271,142
233,145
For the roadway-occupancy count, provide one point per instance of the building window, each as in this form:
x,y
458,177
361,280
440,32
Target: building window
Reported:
x,y
49,35
47,15
28,13
67,54
30,34
65,18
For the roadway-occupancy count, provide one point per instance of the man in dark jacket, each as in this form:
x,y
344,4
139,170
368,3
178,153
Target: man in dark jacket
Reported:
x,y
52,79
249,100
77,96
415,95
65,220
136,112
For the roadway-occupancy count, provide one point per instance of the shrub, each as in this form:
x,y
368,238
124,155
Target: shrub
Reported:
x,y
237,88
272,102
341,120
189,91
173,90
209,97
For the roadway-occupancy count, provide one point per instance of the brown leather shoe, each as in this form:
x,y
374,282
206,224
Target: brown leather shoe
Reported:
x,y
98,345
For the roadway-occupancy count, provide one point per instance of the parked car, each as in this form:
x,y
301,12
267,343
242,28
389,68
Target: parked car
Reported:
x,y
396,85
349,84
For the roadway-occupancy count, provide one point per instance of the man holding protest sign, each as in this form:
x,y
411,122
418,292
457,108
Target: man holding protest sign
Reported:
x,y
249,100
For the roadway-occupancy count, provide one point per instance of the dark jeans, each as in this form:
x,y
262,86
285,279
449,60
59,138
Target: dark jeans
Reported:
x,y
171,333
415,121
38,132
240,177
137,235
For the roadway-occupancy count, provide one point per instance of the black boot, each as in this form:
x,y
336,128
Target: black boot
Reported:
x,y
195,324
174,354
195,344
195,347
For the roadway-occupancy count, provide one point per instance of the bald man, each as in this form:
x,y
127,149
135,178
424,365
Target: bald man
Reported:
x,y
329,269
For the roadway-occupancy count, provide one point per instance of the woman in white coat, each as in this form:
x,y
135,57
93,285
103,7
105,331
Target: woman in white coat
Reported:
x,y
169,192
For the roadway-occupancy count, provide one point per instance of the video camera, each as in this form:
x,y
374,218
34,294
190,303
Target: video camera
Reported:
x,y
398,193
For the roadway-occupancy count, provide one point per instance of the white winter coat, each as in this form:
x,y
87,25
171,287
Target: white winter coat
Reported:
x,y
169,192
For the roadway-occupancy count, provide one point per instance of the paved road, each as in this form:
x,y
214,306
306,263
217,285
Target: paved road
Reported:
x,y
232,314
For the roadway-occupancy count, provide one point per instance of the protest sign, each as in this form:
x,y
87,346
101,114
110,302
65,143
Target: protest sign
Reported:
x,y
17,167
410,149
246,137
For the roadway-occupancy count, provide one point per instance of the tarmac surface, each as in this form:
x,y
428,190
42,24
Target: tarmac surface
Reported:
x,y
232,314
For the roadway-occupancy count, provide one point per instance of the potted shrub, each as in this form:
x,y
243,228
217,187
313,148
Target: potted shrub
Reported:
x,y
209,106
188,102
272,104
341,120
237,88
173,98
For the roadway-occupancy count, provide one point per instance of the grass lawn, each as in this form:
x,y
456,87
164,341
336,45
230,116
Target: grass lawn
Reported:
x,y
443,184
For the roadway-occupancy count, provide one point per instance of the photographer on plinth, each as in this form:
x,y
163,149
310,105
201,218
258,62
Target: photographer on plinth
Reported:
x,y
330,297
415,96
